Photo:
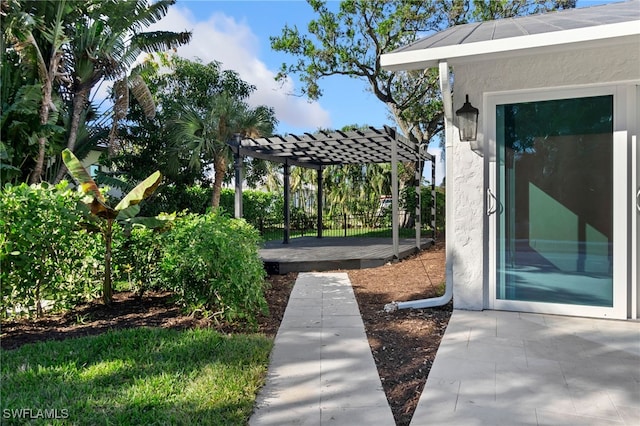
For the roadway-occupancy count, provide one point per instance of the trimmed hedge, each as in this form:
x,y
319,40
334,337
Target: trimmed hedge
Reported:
x,y
211,261
44,254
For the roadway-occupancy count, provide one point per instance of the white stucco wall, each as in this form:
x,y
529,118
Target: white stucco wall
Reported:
x,y
467,180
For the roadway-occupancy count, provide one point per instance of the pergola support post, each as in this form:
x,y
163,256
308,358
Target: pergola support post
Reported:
x,y
418,177
433,198
320,198
287,207
395,231
237,205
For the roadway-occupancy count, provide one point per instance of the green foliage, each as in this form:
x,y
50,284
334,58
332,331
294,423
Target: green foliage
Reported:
x,y
103,216
43,254
256,205
348,40
498,9
176,198
137,257
142,376
212,263
408,202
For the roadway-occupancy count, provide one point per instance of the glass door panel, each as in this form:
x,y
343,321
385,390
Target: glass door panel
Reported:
x,y
555,187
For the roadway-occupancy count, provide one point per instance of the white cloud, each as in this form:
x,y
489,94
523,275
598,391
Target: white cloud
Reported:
x,y
222,38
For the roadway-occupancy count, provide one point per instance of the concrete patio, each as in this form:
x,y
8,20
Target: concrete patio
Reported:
x,y
510,368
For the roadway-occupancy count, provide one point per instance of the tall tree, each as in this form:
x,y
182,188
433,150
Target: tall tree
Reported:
x,y
35,31
106,40
204,136
70,46
348,41
187,92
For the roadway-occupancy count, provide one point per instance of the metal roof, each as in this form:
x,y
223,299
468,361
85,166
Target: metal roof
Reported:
x,y
512,34
328,148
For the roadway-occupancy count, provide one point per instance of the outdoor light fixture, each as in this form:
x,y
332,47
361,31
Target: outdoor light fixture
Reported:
x,y
467,122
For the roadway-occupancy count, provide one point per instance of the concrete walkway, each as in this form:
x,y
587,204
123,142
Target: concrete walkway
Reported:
x,y
492,368
321,370
510,368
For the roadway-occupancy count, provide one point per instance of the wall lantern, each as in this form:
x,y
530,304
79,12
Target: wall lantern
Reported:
x,y
468,122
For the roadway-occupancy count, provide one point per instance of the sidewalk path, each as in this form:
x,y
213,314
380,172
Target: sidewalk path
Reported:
x,y
321,370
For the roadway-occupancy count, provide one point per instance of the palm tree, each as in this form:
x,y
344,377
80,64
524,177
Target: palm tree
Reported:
x,y
35,29
106,41
203,137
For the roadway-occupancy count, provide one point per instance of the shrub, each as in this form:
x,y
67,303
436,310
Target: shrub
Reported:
x,y
43,252
256,205
408,202
172,198
212,263
137,256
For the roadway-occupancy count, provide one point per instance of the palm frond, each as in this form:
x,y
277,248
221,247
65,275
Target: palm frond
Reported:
x,y
159,41
110,180
143,95
148,14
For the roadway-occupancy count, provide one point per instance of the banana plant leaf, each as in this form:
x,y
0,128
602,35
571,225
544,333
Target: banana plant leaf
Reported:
x,y
151,222
140,192
101,210
128,213
80,174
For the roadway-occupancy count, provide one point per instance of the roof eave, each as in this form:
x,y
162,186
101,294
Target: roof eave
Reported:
x,y
513,46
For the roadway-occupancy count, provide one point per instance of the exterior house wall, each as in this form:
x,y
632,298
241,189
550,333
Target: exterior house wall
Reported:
x,y
468,179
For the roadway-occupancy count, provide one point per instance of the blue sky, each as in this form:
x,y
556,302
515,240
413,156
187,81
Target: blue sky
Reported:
x,y
236,33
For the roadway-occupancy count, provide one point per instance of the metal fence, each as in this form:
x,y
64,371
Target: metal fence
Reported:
x,y
341,225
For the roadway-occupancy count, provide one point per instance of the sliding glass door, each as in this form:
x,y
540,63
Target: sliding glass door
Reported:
x,y
557,246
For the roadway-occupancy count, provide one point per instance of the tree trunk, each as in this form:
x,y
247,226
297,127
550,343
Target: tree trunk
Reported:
x,y
219,168
79,102
106,285
36,175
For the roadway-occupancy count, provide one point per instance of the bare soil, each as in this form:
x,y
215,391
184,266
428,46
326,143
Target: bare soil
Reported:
x,y
403,343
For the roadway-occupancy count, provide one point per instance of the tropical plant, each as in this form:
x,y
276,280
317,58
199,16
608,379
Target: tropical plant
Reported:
x,y
106,40
102,216
146,144
204,136
137,257
34,30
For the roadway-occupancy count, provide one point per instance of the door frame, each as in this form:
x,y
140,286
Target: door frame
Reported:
x,y
624,289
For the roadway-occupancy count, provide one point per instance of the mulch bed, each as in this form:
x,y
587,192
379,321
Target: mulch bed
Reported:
x,y
403,343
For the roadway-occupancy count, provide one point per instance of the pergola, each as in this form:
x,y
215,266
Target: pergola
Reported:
x,y
322,149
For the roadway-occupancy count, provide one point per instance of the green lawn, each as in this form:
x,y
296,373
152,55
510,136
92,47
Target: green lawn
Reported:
x,y
136,377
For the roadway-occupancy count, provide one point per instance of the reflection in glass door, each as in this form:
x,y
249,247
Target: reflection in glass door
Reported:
x,y
555,188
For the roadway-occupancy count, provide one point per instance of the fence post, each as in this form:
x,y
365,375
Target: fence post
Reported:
x,y
345,223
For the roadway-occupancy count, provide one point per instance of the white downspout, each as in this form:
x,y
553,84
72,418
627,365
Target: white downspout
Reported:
x,y
445,89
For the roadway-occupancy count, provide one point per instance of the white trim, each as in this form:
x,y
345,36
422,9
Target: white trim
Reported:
x,y
620,189
633,113
445,90
490,49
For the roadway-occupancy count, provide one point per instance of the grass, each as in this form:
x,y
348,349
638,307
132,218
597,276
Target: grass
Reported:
x,y
133,377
